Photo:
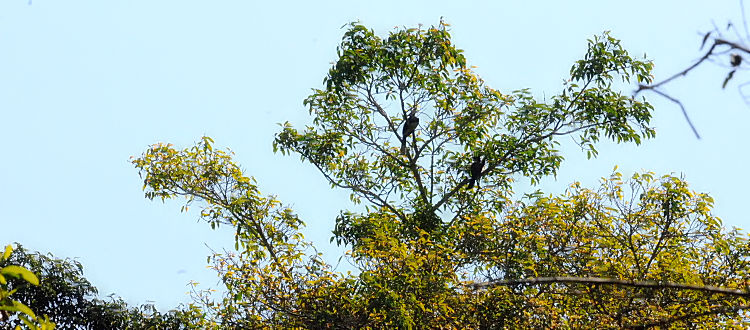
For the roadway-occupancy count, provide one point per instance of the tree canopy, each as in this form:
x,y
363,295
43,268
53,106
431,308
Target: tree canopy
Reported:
x,y
62,297
14,312
443,242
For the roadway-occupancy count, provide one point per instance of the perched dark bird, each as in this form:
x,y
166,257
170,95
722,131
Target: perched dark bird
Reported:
x,y
735,60
410,125
475,170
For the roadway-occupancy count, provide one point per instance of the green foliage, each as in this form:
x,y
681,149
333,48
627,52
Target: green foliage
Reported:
x,y
10,308
640,229
377,82
431,253
67,298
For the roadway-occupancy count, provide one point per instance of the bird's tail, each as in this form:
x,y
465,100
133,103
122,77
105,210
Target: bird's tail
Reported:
x,y
403,146
471,183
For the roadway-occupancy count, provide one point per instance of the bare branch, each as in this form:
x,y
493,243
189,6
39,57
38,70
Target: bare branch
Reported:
x,y
744,20
684,112
382,112
683,72
706,56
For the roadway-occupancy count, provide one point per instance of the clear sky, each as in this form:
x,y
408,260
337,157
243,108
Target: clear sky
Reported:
x,y
86,84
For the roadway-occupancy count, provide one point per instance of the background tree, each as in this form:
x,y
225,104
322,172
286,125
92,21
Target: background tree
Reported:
x,y
432,253
68,299
14,313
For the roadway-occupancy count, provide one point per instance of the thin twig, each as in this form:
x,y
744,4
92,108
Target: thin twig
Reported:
x,y
744,20
684,112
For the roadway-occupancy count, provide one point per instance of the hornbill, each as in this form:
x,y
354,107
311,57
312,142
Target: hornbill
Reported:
x,y
410,125
475,170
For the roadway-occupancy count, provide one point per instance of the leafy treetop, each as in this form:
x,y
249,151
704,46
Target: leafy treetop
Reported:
x,y
432,253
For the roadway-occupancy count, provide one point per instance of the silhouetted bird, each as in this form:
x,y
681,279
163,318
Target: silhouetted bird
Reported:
x,y
735,60
410,125
475,170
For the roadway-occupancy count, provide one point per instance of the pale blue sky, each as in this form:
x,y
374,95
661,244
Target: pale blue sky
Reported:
x,y
86,84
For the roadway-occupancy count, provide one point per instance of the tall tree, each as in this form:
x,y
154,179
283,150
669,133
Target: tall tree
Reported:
x,y
432,253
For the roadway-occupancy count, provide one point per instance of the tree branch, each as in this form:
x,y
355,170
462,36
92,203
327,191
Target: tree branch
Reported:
x,y
382,112
710,51
611,281
684,112
706,56
666,322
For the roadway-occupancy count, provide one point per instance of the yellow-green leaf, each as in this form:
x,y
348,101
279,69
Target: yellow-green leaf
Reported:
x,y
21,272
8,250
18,307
